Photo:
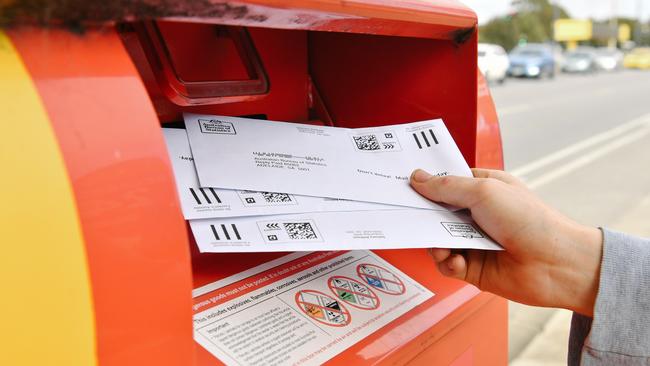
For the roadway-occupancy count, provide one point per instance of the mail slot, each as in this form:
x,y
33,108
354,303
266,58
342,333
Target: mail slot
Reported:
x,y
100,97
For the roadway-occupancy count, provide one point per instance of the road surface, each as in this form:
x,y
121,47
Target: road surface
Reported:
x,y
582,143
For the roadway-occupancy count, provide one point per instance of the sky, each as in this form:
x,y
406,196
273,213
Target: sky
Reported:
x,y
596,9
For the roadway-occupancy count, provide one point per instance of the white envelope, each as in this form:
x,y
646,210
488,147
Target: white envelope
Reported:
x,y
202,203
387,229
367,164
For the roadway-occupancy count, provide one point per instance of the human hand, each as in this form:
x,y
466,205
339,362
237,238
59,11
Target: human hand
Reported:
x,y
549,260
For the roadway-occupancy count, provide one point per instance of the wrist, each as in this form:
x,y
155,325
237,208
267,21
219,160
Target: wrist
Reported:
x,y
579,279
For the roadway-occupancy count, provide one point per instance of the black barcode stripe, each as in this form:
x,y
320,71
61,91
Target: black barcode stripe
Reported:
x,y
214,231
426,140
217,197
234,228
223,227
195,196
417,141
205,195
433,136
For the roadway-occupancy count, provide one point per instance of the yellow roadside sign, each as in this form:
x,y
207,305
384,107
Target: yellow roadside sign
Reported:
x,y
566,30
624,33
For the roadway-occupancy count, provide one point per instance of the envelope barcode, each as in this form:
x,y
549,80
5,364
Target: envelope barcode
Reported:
x,y
224,231
206,197
300,230
367,142
423,135
273,197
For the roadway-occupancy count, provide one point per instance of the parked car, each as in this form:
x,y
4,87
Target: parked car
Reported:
x,y
638,58
493,62
532,60
609,59
581,61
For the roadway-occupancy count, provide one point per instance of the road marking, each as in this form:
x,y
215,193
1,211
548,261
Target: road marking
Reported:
x,y
582,145
587,158
513,110
600,92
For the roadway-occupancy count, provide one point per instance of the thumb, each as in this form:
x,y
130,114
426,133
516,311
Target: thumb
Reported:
x,y
456,191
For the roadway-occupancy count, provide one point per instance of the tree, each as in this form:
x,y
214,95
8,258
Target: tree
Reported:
x,y
530,21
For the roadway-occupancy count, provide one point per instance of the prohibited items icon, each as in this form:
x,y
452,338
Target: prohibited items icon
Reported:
x,y
323,308
353,292
381,279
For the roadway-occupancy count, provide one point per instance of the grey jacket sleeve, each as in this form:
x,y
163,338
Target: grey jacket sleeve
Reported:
x,y
619,333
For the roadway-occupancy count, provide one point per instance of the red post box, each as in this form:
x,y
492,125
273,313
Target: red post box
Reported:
x,y
91,204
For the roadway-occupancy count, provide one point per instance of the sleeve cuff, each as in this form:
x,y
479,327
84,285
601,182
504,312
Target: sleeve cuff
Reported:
x,y
621,323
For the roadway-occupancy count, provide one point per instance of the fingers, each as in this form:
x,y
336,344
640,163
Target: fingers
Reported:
x,y
466,267
449,264
454,266
497,174
462,192
439,254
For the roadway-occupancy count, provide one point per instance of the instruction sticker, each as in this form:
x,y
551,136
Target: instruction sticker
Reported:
x,y
304,310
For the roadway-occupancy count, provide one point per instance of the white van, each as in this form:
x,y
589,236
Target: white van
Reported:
x,y
493,62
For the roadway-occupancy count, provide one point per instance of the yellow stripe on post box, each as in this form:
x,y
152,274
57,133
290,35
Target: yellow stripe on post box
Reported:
x,y
46,309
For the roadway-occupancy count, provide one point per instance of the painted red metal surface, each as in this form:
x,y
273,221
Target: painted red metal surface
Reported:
x,y
489,149
284,57
107,100
135,238
371,80
428,79
440,19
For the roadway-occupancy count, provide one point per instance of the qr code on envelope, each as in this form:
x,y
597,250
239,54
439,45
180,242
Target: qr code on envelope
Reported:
x,y
367,142
300,230
260,199
385,141
273,197
289,231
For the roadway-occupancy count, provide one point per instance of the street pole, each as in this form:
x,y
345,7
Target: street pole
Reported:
x,y
556,15
639,24
613,25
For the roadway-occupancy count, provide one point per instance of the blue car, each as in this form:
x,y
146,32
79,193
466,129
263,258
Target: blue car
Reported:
x,y
533,61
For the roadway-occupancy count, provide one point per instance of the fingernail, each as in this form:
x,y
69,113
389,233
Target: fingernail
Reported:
x,y
420,176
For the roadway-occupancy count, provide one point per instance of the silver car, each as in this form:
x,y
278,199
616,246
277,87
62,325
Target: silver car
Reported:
x,y
581,61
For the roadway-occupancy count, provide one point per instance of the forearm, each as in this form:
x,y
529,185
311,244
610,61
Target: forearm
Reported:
x,y
577,279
